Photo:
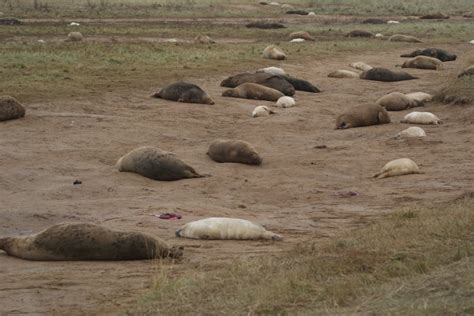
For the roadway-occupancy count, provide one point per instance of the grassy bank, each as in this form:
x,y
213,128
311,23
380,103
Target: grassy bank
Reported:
x,y
404,262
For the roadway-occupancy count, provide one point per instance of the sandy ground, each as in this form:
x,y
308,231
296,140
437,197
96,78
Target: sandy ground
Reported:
x,y
294,192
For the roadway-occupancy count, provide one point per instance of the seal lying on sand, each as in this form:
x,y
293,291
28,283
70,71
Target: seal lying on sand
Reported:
x,y
385,75
341,73
440,54
360,33
301,85
404,38
301,34
225,228
156,164
237,151
10,108
423,62
398,167
83,241
273,52
262,110
285,102
421,118
265,25
184,92
397,101
420,96
253,91
412,131
275,82
363,115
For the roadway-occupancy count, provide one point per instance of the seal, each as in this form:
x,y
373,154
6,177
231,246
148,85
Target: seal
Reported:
x,y
386,75
265,25
275,82
363,115
397,101
74,37
404,38
360,66
359,33
301,34
469,71
420,96
184,92
343,74
225,228
412,131
298,40
438,53
262,110
373,21
10,108
253,91
434,16
82,241
301,85
423,62
274,71
286,102
273,52
398,167
10,21
156,164
426,118
297,12
239,151
203,39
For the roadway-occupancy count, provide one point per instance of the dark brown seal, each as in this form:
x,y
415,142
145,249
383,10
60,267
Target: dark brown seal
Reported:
x,y
82,241
184,92
386,75
363,115
233,151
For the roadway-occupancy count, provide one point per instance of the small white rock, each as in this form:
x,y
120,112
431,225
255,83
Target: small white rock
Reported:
x,y
285,102
261,111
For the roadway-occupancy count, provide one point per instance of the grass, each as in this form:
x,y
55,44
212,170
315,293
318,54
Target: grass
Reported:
x,y
401,259
222,8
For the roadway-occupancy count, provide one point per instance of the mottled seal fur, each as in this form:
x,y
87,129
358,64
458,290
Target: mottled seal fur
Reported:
x,y
301,34
398,167
203,39
423,62
225,228
82,241
412,131
386,75
10,108
253,91
343,74
420,96
239,151
404,38
360,33
421,118
438,53
363,115
301,85
273,52
156,164
469,71
184,92
262,110
397,101
74,37
434,16
275,82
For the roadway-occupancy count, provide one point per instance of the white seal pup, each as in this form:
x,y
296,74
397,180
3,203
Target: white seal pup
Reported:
x,y
225,228
273,52
298,40
274,71
361,66
412,131
343,74
421,118
398,167
261,110
397,101
419,96
285,102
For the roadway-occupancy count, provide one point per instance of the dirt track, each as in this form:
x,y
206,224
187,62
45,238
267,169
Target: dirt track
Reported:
x,y
293,193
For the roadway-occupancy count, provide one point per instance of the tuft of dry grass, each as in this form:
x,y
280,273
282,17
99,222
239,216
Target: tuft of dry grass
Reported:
x,y
330,277
458,90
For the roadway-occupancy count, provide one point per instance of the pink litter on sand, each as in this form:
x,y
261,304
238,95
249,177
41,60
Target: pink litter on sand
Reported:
x,y
346,193
169,216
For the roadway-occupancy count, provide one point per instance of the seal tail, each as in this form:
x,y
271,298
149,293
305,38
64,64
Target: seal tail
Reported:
x,y
178,233
406,55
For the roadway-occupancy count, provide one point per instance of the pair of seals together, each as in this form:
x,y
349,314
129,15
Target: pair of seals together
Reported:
x,y
83,241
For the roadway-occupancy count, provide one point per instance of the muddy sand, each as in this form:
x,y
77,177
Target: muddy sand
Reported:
x,y
298,192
